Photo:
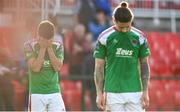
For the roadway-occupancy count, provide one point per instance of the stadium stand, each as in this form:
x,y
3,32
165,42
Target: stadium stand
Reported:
x,y
164,63
163,93
164,59
19,95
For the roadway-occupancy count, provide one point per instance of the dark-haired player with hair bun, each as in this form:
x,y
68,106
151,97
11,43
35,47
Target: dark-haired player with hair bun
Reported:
x,y
120,85
44,57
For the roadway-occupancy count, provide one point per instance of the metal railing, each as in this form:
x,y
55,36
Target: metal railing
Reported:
x,y
142,8
38,6
155,9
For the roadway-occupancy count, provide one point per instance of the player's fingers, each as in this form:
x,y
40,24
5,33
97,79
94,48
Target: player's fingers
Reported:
x,y
104,101
99,104
103,104
142,102
146,103
145,106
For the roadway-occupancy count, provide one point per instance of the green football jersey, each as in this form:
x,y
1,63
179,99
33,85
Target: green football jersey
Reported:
x,y
121,52
45,81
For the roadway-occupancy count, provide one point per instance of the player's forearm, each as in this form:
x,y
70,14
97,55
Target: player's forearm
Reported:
x,y
145,74
56,63
99,78
38,62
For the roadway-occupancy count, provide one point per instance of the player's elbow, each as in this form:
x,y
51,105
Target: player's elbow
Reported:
x,y
57,66
60,65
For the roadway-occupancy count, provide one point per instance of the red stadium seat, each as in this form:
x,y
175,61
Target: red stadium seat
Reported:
x,y
76,101
64,70
155,90
176,69
87,100
152,67
67,85
71,94
164,62
161,98
19,95
176,63
143,4
79,85
163,54
66,89
169,87
177,95
160,68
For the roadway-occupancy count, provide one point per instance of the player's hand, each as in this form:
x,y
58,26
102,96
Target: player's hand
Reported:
x,y
145,100
49,42
43,43
100,101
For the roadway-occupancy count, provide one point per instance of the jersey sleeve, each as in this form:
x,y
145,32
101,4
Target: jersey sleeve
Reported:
x,y
28,50
144,49
100,51
60,52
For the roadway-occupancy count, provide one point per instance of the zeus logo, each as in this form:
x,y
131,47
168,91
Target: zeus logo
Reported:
x,y
123,53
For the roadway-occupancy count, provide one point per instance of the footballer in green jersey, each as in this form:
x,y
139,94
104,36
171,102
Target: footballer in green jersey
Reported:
x,y
118,52
44,57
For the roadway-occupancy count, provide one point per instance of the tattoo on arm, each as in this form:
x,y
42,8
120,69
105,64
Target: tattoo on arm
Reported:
x,y
145,73
99,77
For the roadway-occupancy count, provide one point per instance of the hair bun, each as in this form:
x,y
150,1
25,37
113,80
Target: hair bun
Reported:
x,y
124,4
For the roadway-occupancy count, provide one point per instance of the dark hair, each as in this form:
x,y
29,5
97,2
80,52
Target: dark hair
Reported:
x,y
123,13
46,29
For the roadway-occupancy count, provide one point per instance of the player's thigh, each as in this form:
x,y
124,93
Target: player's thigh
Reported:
x,y
135,107
57,103
114,102
115,107
37,103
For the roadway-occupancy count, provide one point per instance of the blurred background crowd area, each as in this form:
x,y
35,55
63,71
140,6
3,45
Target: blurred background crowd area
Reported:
x,y
78,24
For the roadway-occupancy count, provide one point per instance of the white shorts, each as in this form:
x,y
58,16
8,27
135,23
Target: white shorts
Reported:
x,y
46,102
124,102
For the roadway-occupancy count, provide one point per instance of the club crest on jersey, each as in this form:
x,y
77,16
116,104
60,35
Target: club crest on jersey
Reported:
x,y
115,41
123,53
46,63
134,42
